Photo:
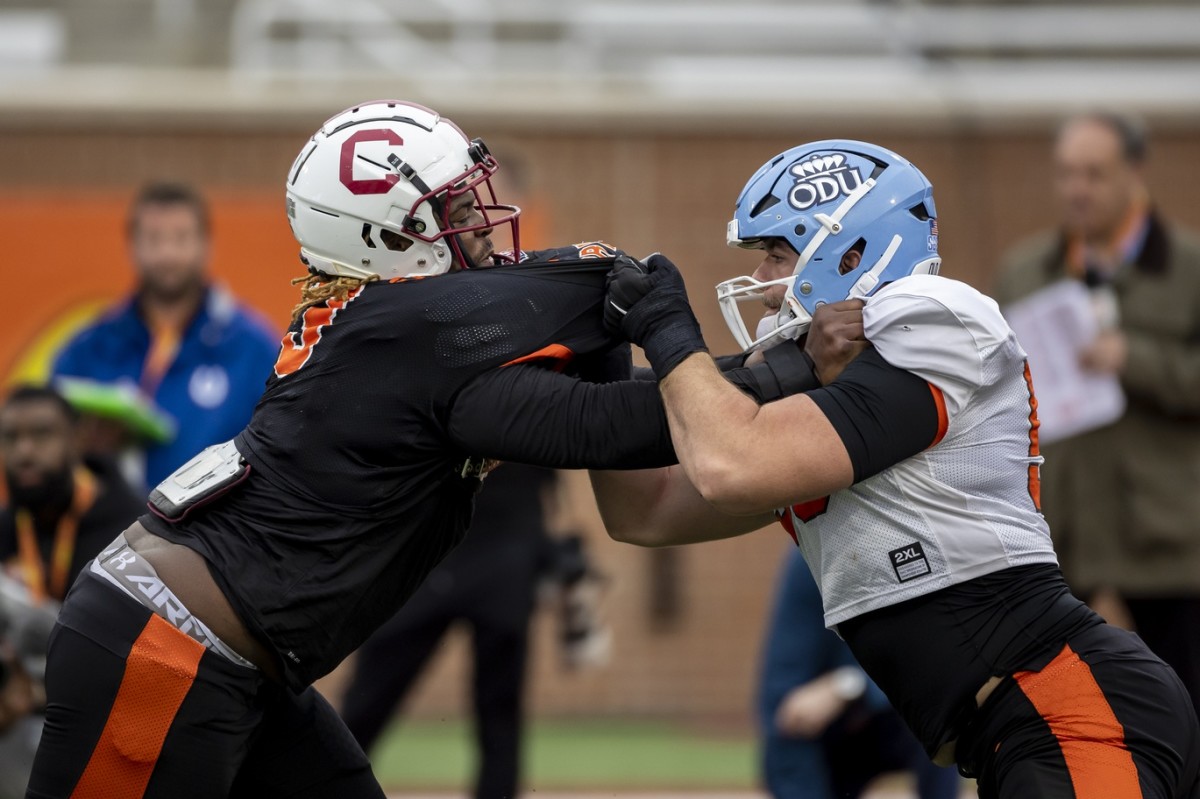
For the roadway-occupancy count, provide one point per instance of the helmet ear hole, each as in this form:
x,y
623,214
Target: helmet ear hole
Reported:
x,y
920,212
366,235
766,202
394,241
852,259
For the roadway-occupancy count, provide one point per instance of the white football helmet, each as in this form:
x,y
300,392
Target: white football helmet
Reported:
x,y
370,193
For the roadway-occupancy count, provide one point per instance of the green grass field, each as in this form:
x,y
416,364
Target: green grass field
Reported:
x,y
572,755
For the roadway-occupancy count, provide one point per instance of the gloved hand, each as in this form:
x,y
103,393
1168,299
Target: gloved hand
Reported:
x,y
646,303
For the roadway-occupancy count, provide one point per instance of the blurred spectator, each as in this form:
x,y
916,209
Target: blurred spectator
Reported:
x,y
62,512
827,730
62,509
185,343
25,627
1123,501
116,423
489,582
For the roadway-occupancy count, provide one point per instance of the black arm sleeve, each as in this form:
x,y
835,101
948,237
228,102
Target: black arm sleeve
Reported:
x,y
643,373
529,414
607,366
882,413
728,362
786,370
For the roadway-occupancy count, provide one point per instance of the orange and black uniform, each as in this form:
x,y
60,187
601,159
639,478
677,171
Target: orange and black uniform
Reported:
x,y
356,491
358,444
1084,710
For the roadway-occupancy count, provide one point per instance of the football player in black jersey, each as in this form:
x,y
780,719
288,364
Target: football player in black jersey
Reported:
x,y
182,662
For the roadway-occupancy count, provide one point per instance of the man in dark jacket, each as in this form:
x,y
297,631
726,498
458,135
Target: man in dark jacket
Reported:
x,y
1122,499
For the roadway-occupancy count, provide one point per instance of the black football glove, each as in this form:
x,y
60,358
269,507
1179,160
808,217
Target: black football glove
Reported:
x,y
648,305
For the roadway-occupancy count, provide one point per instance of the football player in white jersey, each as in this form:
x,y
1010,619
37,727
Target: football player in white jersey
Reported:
x,y
909,479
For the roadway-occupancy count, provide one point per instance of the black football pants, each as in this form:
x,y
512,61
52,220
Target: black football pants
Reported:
x,y
1170,626
1106,719
138,709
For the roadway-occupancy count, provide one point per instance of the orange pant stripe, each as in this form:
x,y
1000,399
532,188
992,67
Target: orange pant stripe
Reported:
x,y
159,673
1066,695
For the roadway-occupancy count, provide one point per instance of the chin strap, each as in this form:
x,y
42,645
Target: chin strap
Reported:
x,y
869,280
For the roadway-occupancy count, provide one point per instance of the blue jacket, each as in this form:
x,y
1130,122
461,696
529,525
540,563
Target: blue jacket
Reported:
x,y
210,389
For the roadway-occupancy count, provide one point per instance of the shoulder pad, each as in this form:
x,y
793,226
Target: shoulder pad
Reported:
x,y
938,329
573,252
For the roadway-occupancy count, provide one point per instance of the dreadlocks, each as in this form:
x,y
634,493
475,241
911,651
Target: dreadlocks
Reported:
x,y
317,288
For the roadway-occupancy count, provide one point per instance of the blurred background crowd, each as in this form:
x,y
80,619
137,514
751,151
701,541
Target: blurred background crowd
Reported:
x,y
147,256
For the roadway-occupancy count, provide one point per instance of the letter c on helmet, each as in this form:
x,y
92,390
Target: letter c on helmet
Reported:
x,y
346,170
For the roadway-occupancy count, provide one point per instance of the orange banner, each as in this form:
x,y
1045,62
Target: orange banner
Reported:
x,y
65,260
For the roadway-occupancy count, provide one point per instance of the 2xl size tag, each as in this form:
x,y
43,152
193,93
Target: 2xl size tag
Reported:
x,y
909,562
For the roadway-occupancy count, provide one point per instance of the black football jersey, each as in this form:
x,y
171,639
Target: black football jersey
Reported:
x,y
358,444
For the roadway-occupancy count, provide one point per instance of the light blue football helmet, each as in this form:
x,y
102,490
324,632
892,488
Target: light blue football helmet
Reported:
x,y
824,199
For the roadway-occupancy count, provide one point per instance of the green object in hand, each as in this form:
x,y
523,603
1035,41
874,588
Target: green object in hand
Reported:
x,y
122,403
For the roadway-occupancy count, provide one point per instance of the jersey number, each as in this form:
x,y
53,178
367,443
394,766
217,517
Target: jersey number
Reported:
x,y
297,345
1035,471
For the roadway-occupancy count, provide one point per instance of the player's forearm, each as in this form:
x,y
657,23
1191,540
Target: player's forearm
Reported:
x,y
708,418
528,414
628,503
660,507
747,459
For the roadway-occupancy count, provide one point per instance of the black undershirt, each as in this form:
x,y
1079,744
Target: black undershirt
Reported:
x,y
882,413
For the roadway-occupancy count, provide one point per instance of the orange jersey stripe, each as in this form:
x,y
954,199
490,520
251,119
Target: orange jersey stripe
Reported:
x,y
1092,740
1035,471
293,354
159,673
553,352
939,399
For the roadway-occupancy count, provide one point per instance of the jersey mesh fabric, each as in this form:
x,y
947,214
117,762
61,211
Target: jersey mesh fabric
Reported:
x,y
992,460
959,510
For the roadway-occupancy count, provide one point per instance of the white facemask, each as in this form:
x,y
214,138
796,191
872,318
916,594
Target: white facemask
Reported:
x,y
791,321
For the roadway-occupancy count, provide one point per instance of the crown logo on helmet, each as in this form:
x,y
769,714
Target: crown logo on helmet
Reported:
x,y
821,179
818,164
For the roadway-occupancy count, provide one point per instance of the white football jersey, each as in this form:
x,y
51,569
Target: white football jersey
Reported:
x,y
966,506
